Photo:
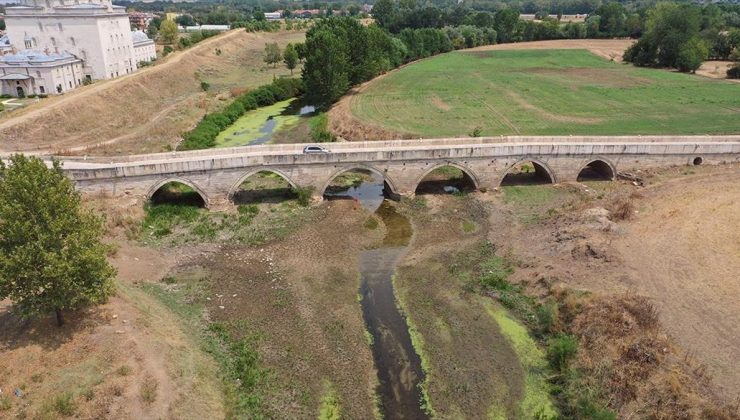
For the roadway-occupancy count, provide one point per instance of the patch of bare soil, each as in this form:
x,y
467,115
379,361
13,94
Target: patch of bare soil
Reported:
x,y
610,49
299,296
148,110
549,115
123,359
671,246
346,126
472,366
716,69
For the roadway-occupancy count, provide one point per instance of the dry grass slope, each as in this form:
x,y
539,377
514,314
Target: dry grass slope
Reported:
x,y
145,111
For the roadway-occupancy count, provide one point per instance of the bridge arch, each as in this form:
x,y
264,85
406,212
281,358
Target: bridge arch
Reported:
x,y
388,183
465,170
598,168
541,170
161,183
235,188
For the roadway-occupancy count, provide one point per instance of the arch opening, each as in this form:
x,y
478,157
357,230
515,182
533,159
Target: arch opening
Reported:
x,y
597,170
527,172
176,193
366,186
446,179
264,187
698,161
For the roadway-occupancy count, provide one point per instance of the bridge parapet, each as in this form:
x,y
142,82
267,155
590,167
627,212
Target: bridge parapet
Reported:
x,y
217,173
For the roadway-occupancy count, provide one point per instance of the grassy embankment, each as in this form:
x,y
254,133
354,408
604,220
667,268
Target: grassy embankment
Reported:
x,y
544,92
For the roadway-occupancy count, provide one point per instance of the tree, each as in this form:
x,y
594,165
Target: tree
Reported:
x,y
290,58
51,257
185,20
669,28
168,31
326,71
152,30
505,23
691,55
272,54
734,71
385,12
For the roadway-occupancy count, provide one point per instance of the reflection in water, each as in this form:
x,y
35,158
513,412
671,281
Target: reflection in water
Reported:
x,y
369,192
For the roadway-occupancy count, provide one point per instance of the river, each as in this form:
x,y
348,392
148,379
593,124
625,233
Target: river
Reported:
x,y
398,365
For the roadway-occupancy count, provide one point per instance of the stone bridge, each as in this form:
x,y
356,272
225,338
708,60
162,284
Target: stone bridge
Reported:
x,y
216,174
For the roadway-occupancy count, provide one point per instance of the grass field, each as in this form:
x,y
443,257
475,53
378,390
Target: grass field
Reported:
x,y
544,92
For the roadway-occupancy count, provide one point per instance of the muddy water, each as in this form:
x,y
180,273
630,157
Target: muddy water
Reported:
x,y
398,365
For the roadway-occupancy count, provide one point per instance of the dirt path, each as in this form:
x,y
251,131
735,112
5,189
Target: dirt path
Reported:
x,y
149,109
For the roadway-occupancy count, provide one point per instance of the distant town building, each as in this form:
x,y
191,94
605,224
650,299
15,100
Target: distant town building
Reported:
x,y
367,8
56,45
219,28
277,15
306,14
140,20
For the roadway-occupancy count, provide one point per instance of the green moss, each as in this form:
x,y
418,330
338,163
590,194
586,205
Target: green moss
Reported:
x,y
331,408
536,402
247,128
468,226
417,341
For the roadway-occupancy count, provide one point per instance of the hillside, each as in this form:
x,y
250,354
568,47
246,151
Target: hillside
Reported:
x,y
145,111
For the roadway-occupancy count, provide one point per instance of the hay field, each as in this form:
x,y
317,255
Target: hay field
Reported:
x,y
537,92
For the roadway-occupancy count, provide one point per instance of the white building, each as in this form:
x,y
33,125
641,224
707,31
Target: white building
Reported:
x,y
144,49
93,31
35,73
5,46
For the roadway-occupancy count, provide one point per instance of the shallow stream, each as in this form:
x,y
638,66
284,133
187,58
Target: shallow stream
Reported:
x,y
398,365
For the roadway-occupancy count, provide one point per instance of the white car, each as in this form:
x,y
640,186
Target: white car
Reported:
x,y
315,149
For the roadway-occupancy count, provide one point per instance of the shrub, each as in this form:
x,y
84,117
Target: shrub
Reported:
x,y
64,404
622,209
304,195
561,350
249,210
320,129
205,86
148,391
5,403
734,72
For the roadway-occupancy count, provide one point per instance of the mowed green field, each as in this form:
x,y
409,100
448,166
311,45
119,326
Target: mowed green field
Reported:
x,y
545,92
